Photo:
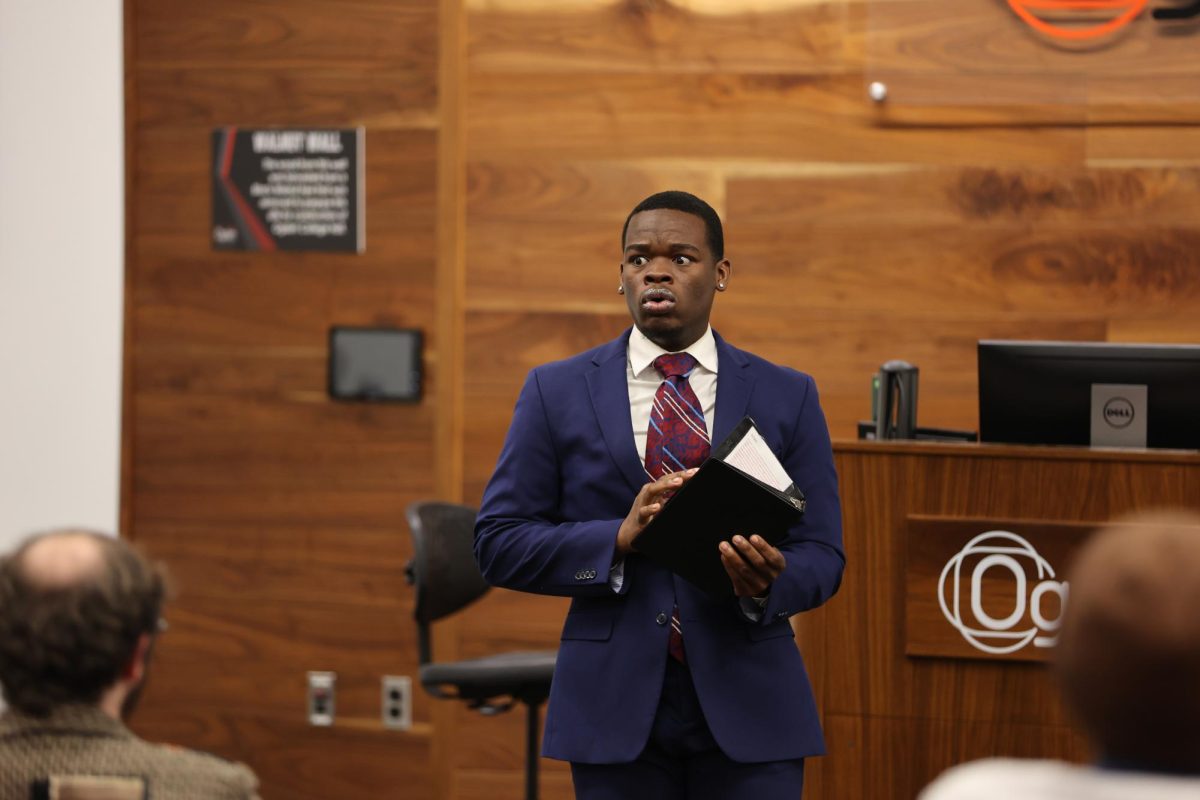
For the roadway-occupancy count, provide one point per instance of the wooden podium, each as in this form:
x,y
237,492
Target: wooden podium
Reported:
x,y
932,653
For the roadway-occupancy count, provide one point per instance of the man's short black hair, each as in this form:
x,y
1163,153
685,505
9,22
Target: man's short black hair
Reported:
x,y
675,200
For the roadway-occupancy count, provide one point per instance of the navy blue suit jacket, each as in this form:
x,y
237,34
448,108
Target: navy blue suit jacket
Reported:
x,y
565,479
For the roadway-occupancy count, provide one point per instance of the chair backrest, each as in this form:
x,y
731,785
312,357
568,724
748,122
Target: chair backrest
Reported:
x,y
443,568
88,787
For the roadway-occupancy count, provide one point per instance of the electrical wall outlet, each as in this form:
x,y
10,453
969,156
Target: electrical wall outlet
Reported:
x,y
397,702
321,698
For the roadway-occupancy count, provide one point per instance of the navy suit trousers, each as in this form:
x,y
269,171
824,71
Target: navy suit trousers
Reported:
x,y
683,762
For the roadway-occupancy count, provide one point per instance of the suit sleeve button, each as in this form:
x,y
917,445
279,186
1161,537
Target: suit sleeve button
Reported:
x,y
661,619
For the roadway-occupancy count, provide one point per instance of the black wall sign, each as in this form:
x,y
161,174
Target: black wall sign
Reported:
x,y
288,189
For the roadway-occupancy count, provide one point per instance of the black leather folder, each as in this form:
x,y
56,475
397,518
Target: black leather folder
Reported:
x,y
718,502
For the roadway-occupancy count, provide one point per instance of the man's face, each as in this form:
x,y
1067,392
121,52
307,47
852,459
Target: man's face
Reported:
x,y
669,276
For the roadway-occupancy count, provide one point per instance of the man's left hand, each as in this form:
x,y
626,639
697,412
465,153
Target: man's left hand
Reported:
x,y
752,564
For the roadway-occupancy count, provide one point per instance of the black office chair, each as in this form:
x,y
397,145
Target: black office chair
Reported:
x,y
446,578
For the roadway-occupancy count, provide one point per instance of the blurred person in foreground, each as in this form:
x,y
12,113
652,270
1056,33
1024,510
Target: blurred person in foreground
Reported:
x,y
79,615
1128,662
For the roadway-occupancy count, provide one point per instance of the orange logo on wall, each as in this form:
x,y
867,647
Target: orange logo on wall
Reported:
x,y
1095,17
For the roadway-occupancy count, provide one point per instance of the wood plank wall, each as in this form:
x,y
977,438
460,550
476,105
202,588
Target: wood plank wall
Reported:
x,y
279,512
852,242
494,211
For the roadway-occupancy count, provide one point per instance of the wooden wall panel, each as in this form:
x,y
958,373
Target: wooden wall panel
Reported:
x,y
724,115
893,722
594,36
865,763
506,142
295,761
494,375
858,234
365,34
280,511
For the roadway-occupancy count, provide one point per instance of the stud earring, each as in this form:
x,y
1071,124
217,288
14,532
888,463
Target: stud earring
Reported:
x,y
620,290
721,286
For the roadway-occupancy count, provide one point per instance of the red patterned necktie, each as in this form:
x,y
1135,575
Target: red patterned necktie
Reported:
x,y
677,439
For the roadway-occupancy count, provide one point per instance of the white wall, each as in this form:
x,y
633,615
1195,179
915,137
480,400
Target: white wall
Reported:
x,y
61,263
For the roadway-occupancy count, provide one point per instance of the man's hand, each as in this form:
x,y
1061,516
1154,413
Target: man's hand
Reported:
x,y
649,501
752,564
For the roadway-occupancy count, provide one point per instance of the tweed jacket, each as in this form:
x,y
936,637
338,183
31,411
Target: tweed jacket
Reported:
x,y
84,741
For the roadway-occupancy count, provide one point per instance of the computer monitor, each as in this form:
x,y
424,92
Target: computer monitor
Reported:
x,y
1090,393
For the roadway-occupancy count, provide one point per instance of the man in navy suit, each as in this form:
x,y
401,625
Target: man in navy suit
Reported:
x,y
732,715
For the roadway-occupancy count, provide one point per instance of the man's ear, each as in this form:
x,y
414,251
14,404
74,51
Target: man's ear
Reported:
x,y
724,273
135,668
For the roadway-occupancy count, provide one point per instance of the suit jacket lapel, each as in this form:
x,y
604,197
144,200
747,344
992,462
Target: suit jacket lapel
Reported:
x,y
609,390
734,386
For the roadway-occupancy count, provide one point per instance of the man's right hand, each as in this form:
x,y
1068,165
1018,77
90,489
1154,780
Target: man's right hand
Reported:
x,y
649,501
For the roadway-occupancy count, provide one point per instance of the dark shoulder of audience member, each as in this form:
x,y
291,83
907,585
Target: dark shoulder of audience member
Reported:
x,y
1129,656
68,627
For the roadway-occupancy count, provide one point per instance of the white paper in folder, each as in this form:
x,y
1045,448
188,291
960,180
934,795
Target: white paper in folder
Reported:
x,y
753,456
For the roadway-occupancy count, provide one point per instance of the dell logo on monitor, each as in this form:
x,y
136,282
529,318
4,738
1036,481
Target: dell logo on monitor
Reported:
x,y
1118,412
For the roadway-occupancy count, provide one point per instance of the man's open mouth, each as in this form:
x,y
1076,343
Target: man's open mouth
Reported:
x,y
657,301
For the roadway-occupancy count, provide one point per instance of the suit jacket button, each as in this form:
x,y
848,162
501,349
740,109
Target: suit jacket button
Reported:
x,y
661,619
578,574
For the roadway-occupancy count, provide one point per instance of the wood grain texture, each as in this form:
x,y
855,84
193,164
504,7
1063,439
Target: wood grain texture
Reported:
x,y
980,196
506,142
778,117
288,563
927,56
295,761
494,375
368,35
280,512
866,762
337,97
1149,144
893,722
857,235
634,36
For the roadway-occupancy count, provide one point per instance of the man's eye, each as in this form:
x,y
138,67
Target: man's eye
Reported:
x,y
683,260
639,261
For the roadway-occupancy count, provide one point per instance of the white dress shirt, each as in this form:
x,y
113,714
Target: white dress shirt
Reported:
x,y
643,380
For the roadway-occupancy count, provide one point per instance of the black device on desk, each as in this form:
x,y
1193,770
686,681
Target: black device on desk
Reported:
x,y
894,408
1090,393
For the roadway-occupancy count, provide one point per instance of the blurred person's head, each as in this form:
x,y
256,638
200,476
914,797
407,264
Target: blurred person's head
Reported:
x,y
78,615
1129,655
